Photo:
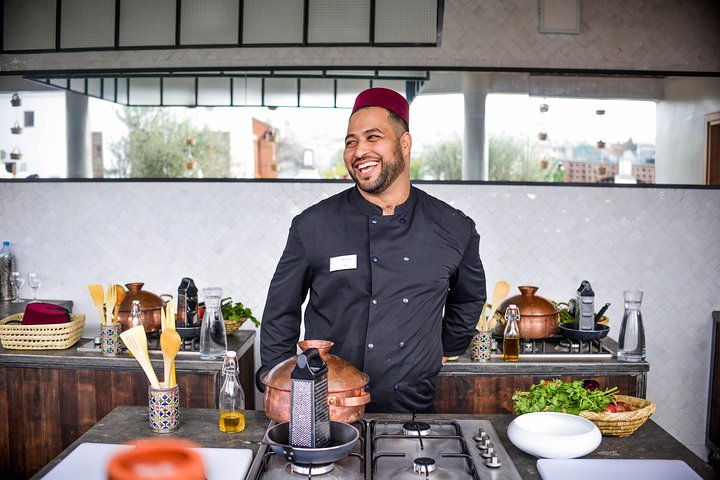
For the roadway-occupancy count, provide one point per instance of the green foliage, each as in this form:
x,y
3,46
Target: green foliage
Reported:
x,y
558,396
236,311
510,159
444,160
155,146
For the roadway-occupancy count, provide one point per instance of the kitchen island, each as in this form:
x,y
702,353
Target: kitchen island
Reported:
x,y
200,426
466,386
49,398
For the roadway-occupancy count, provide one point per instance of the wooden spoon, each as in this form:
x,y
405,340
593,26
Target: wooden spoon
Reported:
x,y
136,341
500,292
482,323
121,294
170,342
98,296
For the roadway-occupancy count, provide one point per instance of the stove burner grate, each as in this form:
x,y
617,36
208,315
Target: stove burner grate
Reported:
x,y
415,428
424,465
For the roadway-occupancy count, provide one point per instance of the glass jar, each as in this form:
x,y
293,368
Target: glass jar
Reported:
x,y
631,343
213,340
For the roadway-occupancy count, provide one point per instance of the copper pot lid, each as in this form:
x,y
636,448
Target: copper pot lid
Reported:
x,y
530,305
148,300
342,375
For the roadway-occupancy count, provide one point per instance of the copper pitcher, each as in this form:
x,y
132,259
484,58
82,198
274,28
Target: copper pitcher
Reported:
x,y
151,304
539,317
346,386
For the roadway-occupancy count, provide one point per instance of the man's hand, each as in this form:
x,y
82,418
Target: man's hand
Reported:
x,y
445,359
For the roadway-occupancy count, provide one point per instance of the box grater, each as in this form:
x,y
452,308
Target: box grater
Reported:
x,y
309,411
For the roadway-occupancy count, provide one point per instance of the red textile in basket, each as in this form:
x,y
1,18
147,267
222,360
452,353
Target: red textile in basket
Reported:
x,y
42,313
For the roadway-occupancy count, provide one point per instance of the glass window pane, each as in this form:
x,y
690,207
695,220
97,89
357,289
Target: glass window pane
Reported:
x,y
144,91
29,25
406,21
144,23
247,91
179,91
209,22
213,91
339,21
317,92
281,92
94,87
87,23
272,21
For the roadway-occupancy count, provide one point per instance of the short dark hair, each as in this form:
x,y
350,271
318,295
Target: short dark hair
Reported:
x,y
394,118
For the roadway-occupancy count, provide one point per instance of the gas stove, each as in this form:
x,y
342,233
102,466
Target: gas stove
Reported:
x,y
559,346
429,447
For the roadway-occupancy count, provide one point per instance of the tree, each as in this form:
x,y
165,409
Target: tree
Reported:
x,y
443,161
510,160
155,146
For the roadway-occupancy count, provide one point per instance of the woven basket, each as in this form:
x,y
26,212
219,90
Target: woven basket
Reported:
x,y
56,336
622,424
232,326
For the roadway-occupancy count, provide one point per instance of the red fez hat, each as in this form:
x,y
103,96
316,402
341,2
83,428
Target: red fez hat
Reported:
x,y
385,98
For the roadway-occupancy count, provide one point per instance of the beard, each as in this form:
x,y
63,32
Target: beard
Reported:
x,y
390,170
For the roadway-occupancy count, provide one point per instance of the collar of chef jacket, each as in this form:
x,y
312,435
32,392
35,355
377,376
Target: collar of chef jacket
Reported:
x,y
370,208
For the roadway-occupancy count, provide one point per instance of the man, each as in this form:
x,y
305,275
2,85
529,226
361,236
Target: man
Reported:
x,y
394,275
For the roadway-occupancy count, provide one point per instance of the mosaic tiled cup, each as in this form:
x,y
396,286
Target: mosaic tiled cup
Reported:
x,y
481,347
164,406
110,343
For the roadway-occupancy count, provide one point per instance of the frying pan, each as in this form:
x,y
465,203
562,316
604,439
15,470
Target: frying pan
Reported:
x,y
342,437
570,330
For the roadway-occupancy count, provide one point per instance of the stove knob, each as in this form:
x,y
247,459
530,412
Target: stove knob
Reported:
x,y
484,443
489,452
481,434
493,462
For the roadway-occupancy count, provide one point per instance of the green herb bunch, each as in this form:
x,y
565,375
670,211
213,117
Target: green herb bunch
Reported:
x,y
236,311
559,396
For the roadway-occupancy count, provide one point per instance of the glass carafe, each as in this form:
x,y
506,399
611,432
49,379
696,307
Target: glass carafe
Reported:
x,y
213,341
631,343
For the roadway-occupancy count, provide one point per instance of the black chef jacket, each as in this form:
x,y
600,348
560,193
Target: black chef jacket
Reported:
x,y
394,293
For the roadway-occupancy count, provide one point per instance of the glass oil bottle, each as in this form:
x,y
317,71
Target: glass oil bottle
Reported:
x,y
511,336
231,401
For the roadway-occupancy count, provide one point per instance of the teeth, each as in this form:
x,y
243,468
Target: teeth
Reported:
x,y
366,165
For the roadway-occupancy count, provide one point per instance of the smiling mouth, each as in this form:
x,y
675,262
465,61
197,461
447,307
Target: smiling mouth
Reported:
x,y
366,166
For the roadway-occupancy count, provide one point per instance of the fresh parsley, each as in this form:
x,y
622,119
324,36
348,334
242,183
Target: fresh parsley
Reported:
x,y
559,396
236,311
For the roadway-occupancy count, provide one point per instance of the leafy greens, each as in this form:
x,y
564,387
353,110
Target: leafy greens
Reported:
x,y
559,396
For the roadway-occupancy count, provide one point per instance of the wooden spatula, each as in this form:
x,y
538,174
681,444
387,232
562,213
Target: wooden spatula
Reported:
x,y
98,296
121,294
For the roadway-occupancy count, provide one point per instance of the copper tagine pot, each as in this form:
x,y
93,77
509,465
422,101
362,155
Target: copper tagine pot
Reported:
x,y
150,304
538,316
346,386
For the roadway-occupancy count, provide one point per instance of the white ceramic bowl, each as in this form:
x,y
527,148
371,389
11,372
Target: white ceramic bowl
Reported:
x,y
554,435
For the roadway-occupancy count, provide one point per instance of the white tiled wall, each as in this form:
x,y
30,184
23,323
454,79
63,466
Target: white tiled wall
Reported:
x,y
230,234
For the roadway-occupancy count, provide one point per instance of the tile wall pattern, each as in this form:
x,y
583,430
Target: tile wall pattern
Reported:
x,y
231,234
614,34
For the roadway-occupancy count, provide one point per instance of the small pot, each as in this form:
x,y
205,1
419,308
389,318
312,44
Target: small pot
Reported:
x,y
346,386
151,305
538,316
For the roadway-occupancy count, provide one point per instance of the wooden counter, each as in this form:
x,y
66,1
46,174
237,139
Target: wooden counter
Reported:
x,y
49,398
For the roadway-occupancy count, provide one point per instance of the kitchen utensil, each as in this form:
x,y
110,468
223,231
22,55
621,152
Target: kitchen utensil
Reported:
x,y
309,414
554,435
346,386
136,341
601,312
571,330
538,316
151,306
163,409
98,296
170,342
501,290
110,301
120,295
482,321
342,437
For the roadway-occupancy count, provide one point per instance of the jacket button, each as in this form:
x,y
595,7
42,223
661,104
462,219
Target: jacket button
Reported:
x,y
401,344
370,346
396,388
405,300
367,387
374,301
373,220
375,259
406,258
402,220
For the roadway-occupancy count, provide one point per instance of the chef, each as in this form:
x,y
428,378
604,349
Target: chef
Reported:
x,y
393,274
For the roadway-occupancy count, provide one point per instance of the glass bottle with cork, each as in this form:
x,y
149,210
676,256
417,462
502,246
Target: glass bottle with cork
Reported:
x,y
231,401
511,336
135,318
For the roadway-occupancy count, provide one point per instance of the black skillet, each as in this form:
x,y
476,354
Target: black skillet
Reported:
x,y
342,435
570,330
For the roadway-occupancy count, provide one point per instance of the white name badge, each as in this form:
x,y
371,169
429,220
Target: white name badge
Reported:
x,y
344,262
